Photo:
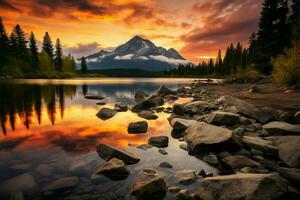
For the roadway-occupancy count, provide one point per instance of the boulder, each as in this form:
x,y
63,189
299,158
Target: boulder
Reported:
x,y
198,107
282,128
178,109
223,118
247,109
20,183
242,186
148,103
203,137
108,152
121,107
152,189
288,149
165,165
186,177
114,169
291,174
181,124
149,115
260,144
138,127
239,162
159,141
163,91
62,184
106,113
140,95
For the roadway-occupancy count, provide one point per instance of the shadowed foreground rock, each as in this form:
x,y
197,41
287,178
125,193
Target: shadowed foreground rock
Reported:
x,y
114,169
108,152
150,190
243,186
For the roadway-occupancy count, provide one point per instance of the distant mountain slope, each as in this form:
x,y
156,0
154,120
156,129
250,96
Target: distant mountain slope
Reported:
x,y
137,53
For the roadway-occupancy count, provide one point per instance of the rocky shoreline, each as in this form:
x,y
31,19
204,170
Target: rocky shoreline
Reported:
x,y
255,149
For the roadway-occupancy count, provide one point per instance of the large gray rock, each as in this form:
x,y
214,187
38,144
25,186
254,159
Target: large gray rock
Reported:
x,y
198,107
289,149
138,127
260,144
247,109
106,113
114,169
243,186
140,95
223,118
149,115
108,152
20,183
239,162
159,141
202,137
282,128
152,189
62,184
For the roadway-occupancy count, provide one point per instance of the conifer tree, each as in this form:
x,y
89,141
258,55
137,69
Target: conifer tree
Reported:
x,y
218,64
295,20
48,46
4,46
83,65
58,59
34,53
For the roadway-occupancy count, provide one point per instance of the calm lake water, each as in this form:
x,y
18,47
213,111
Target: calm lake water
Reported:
x,y
49,131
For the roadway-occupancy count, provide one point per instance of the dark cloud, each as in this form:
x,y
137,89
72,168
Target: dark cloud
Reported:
x,y
7,6
82,49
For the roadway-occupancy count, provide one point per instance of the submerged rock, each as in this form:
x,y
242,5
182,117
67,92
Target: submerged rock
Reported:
x,y
186,177
20,183
223,118
149,115
62,184
202,137
138,127
159,141
114,169
108,152
149,172
106,113
282,128
165,165
242,186
148,190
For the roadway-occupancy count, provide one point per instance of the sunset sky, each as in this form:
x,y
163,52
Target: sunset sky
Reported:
x,y
196,28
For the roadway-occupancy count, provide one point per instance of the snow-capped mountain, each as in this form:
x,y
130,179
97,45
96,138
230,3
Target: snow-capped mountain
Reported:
x,y
136,53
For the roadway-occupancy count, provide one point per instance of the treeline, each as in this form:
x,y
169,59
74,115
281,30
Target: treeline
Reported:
x,y
19,56
273,49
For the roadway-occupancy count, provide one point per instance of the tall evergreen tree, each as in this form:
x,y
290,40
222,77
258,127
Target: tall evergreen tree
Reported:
x,y
295,20
218,65
47,45
4,46
58,59
34,53
83,64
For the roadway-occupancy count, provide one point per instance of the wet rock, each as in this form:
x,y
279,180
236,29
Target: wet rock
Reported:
x,y
211,159
140,95
121,107
100,103
138,127
184,146
282,128
297,117
108,152
62,184
148,103
165,165
159,141
149,172
106,113
203,137
95,97
198,107
184,194
20,183
181,124
148,190
291,174
239,162
223,118
260,144
289,149
178,109
163,151
144,146
163,91
247,109
149,115
173,189
242,186
114,169
186,177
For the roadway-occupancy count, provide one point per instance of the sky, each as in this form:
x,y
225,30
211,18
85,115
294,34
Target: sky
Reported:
x,y
195,28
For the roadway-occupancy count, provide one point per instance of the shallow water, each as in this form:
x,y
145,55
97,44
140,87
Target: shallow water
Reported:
x,y
49,130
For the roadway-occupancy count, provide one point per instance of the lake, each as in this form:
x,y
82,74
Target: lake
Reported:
x,y
49,130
